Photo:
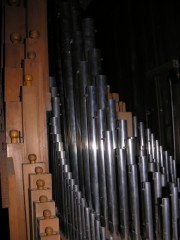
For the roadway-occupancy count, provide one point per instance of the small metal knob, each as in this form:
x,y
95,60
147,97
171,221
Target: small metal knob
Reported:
x,y
32,158
40,184
15,37
14,135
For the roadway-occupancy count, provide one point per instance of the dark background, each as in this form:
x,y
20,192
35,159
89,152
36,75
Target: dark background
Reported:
x,y
140,43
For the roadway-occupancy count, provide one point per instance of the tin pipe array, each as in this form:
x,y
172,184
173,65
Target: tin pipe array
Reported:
x,y
106,185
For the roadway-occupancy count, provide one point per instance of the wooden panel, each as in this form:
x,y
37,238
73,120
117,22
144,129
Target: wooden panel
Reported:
x,y
36,71
13,118
14,55
36,21
30,121
13,81
51,222
126,116
13,202
4,181
38,212
27,169
53,237
122,106
44,176
40,207
34,195
16,151
14,22
32,67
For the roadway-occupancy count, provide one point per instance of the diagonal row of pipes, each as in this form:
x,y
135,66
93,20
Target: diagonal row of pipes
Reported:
x,y
106,185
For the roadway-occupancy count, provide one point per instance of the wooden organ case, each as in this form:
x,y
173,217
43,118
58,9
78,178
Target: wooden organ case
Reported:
x,y
112,179
26,185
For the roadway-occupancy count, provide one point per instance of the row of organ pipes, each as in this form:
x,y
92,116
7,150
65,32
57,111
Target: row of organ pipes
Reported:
x,y
108,184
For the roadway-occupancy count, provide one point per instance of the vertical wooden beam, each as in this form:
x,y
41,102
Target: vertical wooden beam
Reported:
x,y
17,152
31,124
14,22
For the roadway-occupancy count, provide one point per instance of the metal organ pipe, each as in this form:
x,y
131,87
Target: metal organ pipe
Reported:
x,y
108,185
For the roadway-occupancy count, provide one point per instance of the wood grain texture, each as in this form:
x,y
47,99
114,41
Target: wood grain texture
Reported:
x,y
45,176
14,55
34,68
4,180
31,128
53,237
14,22
51,222
34,195
13,82
28,168
13,203
38,212
36,21
13,118
16,151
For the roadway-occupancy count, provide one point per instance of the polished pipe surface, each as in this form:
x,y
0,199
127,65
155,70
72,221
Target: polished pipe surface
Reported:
x,y
93,160
131,151
111,120
101,90
166,218
134,201
110,166
135,126
121,133
148,211
84,82
100,128
123,193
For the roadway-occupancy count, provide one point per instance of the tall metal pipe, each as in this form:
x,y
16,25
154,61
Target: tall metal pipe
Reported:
x,y
166,219
83,84
175,212
135,126
143,169
148,210
93,158
111,121
131,151
141,136
67,73
122,133
110,166
157,192
101,90
134,201
100,128
77,49
123,193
